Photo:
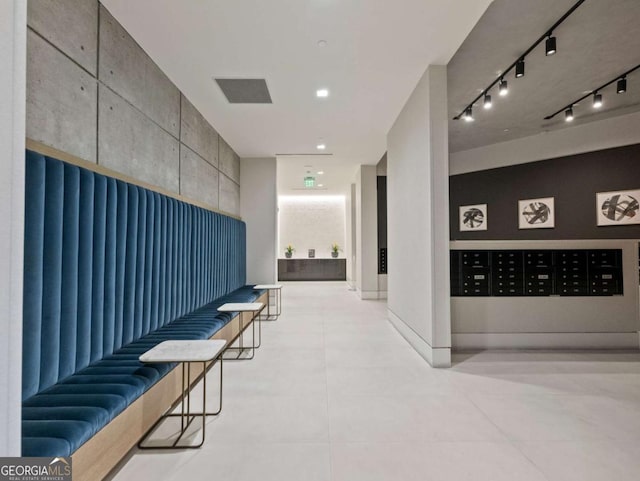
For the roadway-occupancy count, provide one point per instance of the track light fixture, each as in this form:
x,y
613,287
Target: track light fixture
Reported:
x,y
550,46
621,87
487,101
597,100
518,65
503,88
520,68
468,114
568,114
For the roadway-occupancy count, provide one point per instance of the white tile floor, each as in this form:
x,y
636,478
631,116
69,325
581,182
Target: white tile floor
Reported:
x,y
335,393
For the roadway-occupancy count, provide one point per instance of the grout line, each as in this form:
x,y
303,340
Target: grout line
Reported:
x,y
75,62
101,83
509,441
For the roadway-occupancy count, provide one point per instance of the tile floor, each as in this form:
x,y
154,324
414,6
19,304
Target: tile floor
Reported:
x,y
335,393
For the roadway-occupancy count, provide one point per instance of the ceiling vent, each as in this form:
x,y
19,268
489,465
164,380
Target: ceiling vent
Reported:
x,y
245,91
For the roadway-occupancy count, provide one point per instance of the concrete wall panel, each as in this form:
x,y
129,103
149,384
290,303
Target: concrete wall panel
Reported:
x,y
71,25
130,72
198,134
94,93
198,178
229,161
61,101
132,144
229,196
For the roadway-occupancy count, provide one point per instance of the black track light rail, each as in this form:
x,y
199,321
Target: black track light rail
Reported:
x,y
521,57
594,91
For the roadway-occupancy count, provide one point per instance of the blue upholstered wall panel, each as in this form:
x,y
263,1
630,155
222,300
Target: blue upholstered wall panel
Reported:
x,y
107,262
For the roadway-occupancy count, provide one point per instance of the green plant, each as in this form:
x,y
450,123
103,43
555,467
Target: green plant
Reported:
x,y
335,247
289,249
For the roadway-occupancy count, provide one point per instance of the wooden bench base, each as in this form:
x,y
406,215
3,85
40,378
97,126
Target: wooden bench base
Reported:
x,y
98,456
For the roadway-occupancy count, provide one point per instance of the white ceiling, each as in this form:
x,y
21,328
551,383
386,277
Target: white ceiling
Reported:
x,y
336,178
375,54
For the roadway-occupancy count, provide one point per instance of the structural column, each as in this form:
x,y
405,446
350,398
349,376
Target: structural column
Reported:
x,y
258,208
418,220
13,39
366,202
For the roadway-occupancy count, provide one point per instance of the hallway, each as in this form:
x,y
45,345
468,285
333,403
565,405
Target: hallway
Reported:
x,y
335,393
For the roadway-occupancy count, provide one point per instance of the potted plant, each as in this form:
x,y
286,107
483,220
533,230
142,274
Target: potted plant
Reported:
x,y
335,248
288,252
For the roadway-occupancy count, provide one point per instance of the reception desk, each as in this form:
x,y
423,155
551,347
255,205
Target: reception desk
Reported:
x,y
312,269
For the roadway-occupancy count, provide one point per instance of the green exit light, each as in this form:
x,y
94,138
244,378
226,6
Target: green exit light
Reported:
x,y
309,181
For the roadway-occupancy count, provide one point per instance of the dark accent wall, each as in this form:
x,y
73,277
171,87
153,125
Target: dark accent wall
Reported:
x,y
573,181
382,224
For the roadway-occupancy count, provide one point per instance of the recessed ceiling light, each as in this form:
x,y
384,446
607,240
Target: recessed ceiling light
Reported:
x,y
320,185
321,146
322,43
320,172
506,130
322,93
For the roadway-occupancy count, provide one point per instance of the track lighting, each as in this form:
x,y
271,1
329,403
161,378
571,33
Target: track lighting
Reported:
x,y
468,114
568,114
597,100
487,101
503,88
622,85
518,66
550,46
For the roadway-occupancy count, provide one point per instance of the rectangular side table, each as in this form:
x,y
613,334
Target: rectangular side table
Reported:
x,y
186,353
255,308
277,296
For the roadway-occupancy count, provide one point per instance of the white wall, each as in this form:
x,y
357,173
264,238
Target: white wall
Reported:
x,y
367,232
550,322
599,135
13,39
258,208
312,222
418,220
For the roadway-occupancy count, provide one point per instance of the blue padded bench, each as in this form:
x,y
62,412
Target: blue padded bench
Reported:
x,y
111,270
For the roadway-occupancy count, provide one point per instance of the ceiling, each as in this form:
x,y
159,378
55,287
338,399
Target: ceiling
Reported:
x,y
596,43
336,178
375,53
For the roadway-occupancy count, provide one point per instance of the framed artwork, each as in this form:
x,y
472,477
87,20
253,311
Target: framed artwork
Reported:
x,y
473,217
618,208
536,213
312,253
